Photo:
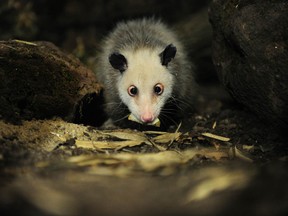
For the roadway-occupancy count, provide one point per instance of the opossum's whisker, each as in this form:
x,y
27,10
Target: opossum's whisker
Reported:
x,y
168,118
178,103
118,108
170,114
111,103
184,102
168,111
120,119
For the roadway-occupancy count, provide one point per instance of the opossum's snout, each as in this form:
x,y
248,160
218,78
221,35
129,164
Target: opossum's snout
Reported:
x,y
145,114
155,123
147,117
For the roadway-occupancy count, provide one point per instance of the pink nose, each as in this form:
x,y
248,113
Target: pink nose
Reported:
x,y
147,118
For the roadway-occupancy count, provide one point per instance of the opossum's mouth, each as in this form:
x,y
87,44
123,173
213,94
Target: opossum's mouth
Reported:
x,y
155,123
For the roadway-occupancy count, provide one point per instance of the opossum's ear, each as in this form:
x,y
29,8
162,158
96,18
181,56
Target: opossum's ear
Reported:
x,y
118,61
168,54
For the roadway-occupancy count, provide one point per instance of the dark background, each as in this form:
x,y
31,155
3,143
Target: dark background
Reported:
x,y
79,26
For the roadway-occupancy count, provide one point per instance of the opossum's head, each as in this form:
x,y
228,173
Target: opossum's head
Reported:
x,y
145,82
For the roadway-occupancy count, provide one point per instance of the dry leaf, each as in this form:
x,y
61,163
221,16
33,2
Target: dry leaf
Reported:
x,y
213,180
241,156
218,155
107,144
249,148
126,163
217,137
128,135
155,132
166,138
128,138
214,125
151,162
25,42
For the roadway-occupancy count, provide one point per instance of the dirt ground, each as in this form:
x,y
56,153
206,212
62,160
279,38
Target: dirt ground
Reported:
x,y
52,167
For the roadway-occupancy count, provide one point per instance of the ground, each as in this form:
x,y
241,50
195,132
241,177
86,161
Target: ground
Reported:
x,y
52,167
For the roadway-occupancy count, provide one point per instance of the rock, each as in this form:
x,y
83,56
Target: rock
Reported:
x,y
40,81
250,52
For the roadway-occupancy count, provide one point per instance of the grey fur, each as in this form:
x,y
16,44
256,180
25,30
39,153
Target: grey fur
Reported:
x,y
148,33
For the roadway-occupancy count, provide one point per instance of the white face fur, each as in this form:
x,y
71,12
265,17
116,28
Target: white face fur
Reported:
x,y
146,84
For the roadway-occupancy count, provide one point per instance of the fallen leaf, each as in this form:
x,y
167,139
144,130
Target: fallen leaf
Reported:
x,y
217,137
110,140
25,42
218,155
128,135
249,148
113,164
241,156
154,132
107,144
213,180
214,125
166,138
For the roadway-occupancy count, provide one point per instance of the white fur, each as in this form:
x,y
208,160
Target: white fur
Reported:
x,y
141,41
145,71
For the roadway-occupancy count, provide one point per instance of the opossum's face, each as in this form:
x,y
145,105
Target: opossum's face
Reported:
x,y
145,82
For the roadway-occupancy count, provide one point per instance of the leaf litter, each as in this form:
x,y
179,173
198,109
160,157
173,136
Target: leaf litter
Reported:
x,y
115,153
122,151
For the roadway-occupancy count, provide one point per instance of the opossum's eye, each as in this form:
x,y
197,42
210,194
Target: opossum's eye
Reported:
x,y
168,54
118,61
158,89
132,90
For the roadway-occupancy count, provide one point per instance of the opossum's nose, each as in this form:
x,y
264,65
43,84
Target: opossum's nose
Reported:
x,y
147,117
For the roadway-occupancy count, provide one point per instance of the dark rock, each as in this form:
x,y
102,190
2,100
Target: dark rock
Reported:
x,y
250,52
40,81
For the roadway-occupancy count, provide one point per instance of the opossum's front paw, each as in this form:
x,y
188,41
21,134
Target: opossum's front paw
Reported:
x,y
108,125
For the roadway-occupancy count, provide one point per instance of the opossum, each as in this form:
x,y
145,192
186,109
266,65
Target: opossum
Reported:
x,y
145,72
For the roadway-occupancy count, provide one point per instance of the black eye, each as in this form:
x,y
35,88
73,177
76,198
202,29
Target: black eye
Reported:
x,y
158,89
132,90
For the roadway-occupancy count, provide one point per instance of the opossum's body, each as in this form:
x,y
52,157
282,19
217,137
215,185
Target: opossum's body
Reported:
x,y
143,74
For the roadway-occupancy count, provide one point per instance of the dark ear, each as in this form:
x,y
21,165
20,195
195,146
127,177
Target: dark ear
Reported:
x,y
168,54
118,61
